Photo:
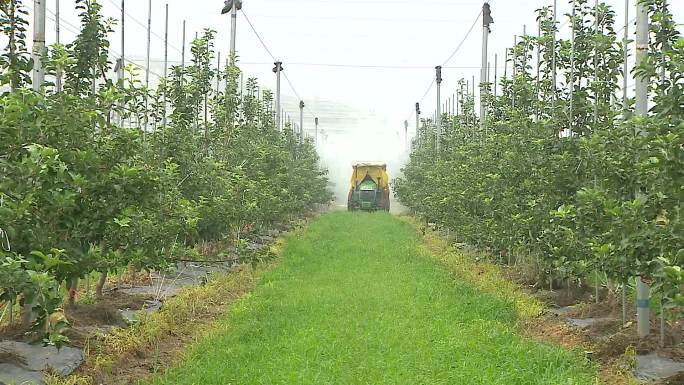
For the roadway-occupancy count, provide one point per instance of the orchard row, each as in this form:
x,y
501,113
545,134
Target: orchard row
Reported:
x,y
113,176
562,176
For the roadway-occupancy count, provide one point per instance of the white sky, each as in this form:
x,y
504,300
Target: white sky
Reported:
x,y
339,54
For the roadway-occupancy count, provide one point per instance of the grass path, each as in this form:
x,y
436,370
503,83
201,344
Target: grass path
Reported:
x,y
353,303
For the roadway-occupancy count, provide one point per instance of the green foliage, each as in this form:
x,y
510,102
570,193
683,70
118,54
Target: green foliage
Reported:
x,y
84,189
15,61
89,50
563,183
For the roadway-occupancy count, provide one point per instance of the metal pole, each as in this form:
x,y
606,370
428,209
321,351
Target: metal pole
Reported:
x,y
58,82
505,66
625,69
123,35
417,123
316,132
149,38
463,96
218,74
166,61
538,89
206,103
486,21
489,71
147,67
515,56
554,71
473,83
57,21
597,24
38,44
438,117
278,68
458,101
465,100
233,27
301,121
496,72
642,41
121,65
515,69
453,104
572,69
183,49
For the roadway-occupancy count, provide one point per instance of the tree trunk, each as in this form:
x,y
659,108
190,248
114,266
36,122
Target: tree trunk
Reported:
x,y
26,316
10,304
87,285
73,287
100,284
131,272
662,321
596,284
624,303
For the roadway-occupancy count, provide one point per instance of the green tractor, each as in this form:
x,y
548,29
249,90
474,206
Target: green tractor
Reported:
x,y
369,188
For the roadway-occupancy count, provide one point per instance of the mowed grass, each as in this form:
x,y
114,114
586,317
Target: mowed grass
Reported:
x,y
353,302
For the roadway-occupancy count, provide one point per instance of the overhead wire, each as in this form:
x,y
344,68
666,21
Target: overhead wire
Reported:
x,y
359,19
354,66
458,48
287,78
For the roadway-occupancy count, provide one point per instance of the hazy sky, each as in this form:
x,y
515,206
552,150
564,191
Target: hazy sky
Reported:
x,y
325,44
360,65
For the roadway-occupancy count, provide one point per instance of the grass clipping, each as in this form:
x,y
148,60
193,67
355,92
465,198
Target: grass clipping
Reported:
x,y
487,277
184,317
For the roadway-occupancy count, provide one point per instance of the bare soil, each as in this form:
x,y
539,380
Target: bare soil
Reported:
x,y
105,311
676,380
86,319
12,332
152,358
607,341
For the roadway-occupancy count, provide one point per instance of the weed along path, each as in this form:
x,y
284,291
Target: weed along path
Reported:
x,y
355,301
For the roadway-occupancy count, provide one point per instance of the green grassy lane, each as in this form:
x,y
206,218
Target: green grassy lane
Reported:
x,y
353,302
